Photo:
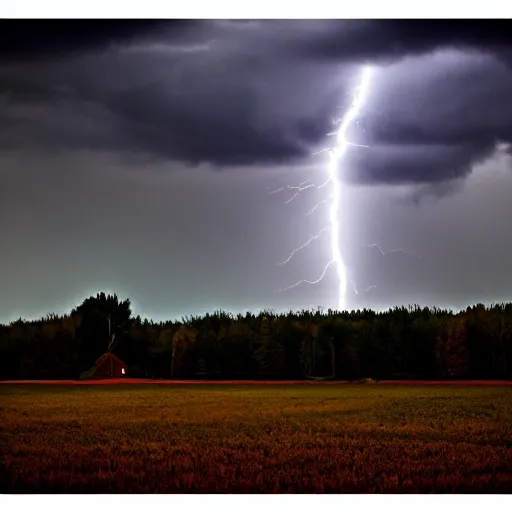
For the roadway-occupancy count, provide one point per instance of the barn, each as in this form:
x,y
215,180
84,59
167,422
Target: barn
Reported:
x,y
109,366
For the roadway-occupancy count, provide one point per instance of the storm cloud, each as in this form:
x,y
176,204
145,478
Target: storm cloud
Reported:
x,y
111,133
234,93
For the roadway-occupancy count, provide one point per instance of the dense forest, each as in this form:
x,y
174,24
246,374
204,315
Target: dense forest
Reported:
x,y
403,342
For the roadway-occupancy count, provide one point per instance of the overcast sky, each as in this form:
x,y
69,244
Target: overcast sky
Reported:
x,y
138,158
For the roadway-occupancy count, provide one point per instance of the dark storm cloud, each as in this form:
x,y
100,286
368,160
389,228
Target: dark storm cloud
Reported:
x,y
406,164
388,39
203,101
26,39
232,93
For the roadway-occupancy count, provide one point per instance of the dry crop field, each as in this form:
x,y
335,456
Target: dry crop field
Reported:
x,y
257,438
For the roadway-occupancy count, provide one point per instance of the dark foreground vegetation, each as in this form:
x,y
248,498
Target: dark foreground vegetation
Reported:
x,y
230,439
411,343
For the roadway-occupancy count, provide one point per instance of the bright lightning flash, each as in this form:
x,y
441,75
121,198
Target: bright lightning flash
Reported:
x,y
335,155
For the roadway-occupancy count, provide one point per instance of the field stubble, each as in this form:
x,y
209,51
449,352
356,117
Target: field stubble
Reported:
x,y
315,439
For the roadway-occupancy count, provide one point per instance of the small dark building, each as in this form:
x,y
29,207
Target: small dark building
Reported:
x,y
109,366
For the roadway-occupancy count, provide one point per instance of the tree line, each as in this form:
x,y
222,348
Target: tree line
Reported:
x,y
412,342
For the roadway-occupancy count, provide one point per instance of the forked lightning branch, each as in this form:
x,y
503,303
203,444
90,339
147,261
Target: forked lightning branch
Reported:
x,y
336,154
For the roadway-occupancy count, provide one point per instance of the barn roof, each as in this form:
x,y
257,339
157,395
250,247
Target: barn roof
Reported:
x,y
108,357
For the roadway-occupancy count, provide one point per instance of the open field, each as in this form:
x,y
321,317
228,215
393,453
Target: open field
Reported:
x,y
256,438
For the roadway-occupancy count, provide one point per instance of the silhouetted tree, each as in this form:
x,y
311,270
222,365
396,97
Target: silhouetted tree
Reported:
x,y
105,321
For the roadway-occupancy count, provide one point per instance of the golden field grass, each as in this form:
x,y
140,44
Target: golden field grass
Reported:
x,y
231,439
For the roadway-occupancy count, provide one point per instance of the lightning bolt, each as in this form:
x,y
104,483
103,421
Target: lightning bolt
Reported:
x,y
308,282
299,188
317,206
385,252
314,237
393,251
368,289
335,156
